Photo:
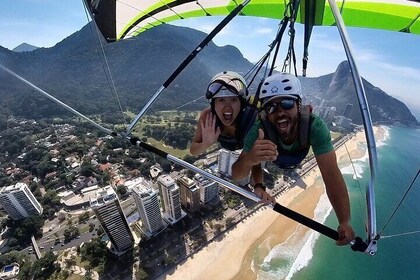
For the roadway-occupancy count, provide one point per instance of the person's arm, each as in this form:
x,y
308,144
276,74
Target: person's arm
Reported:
x,y
262,150
337,194
206,133
259,187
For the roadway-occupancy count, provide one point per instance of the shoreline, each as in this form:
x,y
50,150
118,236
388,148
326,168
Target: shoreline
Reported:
x,y
243,250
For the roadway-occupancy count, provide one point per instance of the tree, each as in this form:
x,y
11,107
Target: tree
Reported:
x,y
95,252
87,169
61,217
121,190
84,216
166,166
23,229
44,267
129,162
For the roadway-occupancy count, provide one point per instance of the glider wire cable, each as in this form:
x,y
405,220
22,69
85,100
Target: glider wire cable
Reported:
x,y
105,64
396,209
290,56
362,208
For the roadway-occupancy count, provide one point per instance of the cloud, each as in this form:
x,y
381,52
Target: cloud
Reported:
x,y
264,30
399,70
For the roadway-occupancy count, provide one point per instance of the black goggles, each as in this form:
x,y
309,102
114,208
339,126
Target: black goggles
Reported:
x,y
218,85
284,104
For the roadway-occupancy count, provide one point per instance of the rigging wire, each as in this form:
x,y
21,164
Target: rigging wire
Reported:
x,y
399,204
105,64
362,208
400,234
170,8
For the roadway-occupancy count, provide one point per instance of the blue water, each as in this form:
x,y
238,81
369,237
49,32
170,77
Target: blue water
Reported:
x,y
397,257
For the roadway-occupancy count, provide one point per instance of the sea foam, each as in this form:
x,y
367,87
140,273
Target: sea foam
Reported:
x,y
295,253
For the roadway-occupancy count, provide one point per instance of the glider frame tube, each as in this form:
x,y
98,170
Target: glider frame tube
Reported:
x,y
367,122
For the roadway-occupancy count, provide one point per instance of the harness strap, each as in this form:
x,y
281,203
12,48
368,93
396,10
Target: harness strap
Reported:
x,y
304,126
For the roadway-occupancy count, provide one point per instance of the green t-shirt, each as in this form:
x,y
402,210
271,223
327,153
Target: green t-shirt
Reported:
x,y
319,138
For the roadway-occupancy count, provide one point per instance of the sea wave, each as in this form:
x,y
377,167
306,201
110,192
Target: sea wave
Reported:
x,y
386,136
295,253
357,167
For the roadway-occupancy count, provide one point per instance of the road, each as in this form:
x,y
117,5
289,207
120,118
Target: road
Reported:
x,y
53,230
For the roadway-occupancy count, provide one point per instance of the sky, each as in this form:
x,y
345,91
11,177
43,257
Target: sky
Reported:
x,y
389,60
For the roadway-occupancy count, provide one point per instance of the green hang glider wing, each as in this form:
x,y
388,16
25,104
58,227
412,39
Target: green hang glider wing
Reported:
x,y
118,20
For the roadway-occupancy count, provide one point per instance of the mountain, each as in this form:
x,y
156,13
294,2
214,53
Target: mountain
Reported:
x,y
338,88
75,72
24,47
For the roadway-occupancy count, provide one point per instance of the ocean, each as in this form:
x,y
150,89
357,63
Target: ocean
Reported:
x,y
397,257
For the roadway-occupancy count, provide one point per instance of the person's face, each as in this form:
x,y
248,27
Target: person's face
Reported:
x,y
227,109
284,117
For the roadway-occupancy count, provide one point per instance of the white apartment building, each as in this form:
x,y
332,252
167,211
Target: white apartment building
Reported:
x,y
208,189
226,160
170,199
18,201
147,202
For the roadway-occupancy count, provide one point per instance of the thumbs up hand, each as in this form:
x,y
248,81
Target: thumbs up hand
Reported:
x,y
262,150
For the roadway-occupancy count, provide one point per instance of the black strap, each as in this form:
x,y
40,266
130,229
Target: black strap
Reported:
x,y
304,126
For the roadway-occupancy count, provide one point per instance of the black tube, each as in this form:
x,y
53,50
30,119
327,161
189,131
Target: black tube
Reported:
x,y
206,40
333,234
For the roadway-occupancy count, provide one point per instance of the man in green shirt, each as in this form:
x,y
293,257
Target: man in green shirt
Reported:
x,y
284,135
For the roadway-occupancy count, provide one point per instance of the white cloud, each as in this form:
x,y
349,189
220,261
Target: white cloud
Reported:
x,y
264,31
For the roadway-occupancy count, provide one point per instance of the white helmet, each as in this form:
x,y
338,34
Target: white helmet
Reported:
x,y
280,85
226,84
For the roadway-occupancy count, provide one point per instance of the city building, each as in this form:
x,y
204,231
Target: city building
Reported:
x,y
344,122
226,160
172,211
190,194
209,189
347,110
155,171
110,214
19,202
147,202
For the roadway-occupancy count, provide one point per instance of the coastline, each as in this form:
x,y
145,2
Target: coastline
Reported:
x,y
242,252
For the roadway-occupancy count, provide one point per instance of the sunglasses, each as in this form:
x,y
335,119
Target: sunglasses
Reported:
x,y
285,104
218,85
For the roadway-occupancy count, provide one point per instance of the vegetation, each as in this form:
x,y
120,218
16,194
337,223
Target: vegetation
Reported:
x,y
95,253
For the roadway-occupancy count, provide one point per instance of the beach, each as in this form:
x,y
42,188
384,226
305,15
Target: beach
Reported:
x,y
240,252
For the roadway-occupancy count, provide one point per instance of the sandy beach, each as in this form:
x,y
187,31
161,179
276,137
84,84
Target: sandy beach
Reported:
x,y
240,252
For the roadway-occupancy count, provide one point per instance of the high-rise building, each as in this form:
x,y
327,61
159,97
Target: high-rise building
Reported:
x,y
347,110
226,160
147,202
190,194
18,201
111,216
170,197
208,189
344,122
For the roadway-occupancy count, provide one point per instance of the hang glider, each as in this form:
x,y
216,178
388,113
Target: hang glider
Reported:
x,y
118,20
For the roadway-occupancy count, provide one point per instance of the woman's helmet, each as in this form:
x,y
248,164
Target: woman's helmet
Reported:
x,y
226,84
280,85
